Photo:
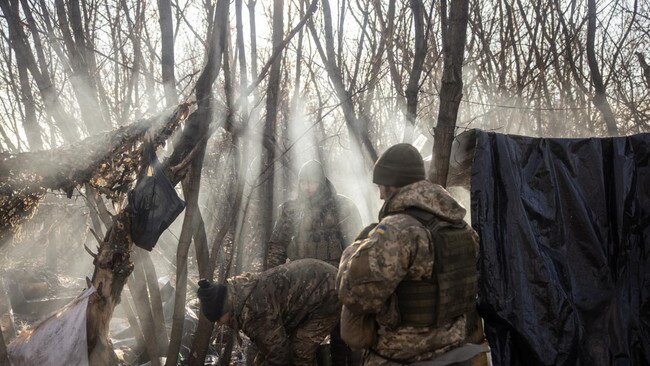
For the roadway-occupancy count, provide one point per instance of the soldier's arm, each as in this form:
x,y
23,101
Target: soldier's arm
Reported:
x,y
345,260
280,238
377,265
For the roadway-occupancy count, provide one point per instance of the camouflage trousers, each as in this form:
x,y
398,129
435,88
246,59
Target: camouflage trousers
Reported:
x,y
305,340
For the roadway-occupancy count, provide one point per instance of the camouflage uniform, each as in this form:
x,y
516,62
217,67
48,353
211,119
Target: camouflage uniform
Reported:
x,y
286,311
397,249
319,227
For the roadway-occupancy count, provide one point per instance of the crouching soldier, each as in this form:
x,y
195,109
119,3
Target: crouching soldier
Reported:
x,y
286,311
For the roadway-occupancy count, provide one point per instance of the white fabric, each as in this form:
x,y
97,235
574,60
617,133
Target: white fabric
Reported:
x,y
59,340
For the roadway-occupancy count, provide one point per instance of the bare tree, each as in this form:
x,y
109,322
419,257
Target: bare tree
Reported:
x,y
600,97
413,86
198,130
358,126
49,95
167,51
454,30
268,135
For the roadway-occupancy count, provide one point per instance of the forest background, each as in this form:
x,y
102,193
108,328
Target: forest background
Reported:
x,y
273,84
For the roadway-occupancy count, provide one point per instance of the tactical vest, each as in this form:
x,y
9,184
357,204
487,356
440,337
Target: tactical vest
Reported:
x,y
451,290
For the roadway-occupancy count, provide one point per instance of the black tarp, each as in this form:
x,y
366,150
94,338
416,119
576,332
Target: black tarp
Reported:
x,y
565,248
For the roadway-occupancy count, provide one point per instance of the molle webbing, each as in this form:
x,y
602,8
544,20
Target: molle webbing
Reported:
x,y
451,292
416,301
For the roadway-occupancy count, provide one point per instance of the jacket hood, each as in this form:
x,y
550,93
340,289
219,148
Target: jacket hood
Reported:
x,y
426,196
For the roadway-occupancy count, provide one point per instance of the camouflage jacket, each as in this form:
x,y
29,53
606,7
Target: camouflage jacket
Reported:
x,y
398,248
318,228
269,306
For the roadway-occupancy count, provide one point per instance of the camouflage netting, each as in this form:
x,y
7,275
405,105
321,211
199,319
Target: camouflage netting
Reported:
x,y
108,162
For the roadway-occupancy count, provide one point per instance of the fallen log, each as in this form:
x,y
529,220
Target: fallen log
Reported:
x,y
107,162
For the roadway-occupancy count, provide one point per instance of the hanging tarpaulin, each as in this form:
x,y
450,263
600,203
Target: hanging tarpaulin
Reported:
x,y
59,340
565,248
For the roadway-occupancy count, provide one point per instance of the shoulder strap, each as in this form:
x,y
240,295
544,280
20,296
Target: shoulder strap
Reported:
x,y
426,218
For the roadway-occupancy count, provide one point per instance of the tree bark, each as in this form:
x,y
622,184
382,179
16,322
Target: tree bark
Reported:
x,y
138,288
251,21
155,300
135,326
645,69
203,91
266,192
113,265
167,51
454,30
413,86
600,96
4,359
204,329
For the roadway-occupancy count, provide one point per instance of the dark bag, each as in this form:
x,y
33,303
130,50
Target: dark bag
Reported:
x,y
153,203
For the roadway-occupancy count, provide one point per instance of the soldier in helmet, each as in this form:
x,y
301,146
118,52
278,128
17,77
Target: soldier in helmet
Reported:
x,y
286,311
414,272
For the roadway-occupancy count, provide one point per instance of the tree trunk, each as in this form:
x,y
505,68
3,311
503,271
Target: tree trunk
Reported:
x,y
203,91
135,326
266,191
251,21
204,329
112,262
138,288
243,79
167,51
454,29
4,359
600,97
155,299
413,86
645,69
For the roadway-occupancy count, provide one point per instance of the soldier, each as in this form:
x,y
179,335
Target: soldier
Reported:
x,y
318,224
286,311
401,273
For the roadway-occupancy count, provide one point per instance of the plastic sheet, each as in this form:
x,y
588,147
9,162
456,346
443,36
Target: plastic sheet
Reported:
x,y
565,248
59,340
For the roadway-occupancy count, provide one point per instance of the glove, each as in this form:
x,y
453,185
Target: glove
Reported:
x,y
212,298
365,232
